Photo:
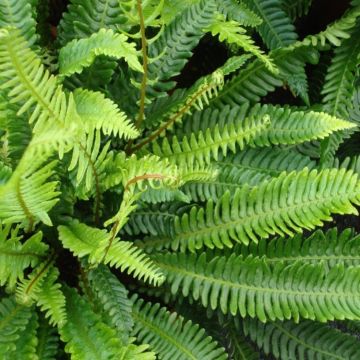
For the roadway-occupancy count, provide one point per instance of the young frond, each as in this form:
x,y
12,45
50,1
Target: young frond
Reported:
x,y
31,86
281,206
98,112
113,296
282,292
232,33
16,256
79,54
29,194
171,336
83,240
306,340
13,320
276,28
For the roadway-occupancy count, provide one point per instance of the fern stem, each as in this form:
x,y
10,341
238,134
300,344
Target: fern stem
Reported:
x,y
145,65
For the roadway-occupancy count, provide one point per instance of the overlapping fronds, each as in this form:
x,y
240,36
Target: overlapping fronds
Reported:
x,y
307,199
48,341
113,296
84,18
16,256
296,8
232,128
171,336
283,292
13,320
174,47
276,28
83,240
78,54
306,340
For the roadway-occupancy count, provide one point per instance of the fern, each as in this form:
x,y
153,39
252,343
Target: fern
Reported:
x,y
309,293
170,336
302,341
47,347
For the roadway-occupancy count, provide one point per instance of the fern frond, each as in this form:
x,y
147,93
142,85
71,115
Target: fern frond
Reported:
x,y
239,12
27,342
85,335
113,296
212,130
19,14
82,240
170,336
48,341
228,284
29,194
15,256
98,112
306,340
78,54
255,81
84,18
232,33
331,248
174,46
276,28
250,166
307,199
13,320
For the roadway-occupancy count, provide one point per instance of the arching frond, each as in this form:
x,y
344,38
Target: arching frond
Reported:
x,y
307,199
113,296
306,340
228,284
276,28
83,240
79,54
171,336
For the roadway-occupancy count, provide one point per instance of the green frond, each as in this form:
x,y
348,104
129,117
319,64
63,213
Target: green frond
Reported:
x,y
250,166
296,8
232,128
16,256
256,81
13,320
26,343
85,335
98,112
113,296
336,32
83,240
50,298
79,54
29,194
171,336
5,173
33,88
19,14
153,196
232,33
276,28
84,18
306,340
48,341
174,46
307,199
338,89
239,12
283,292
331,248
